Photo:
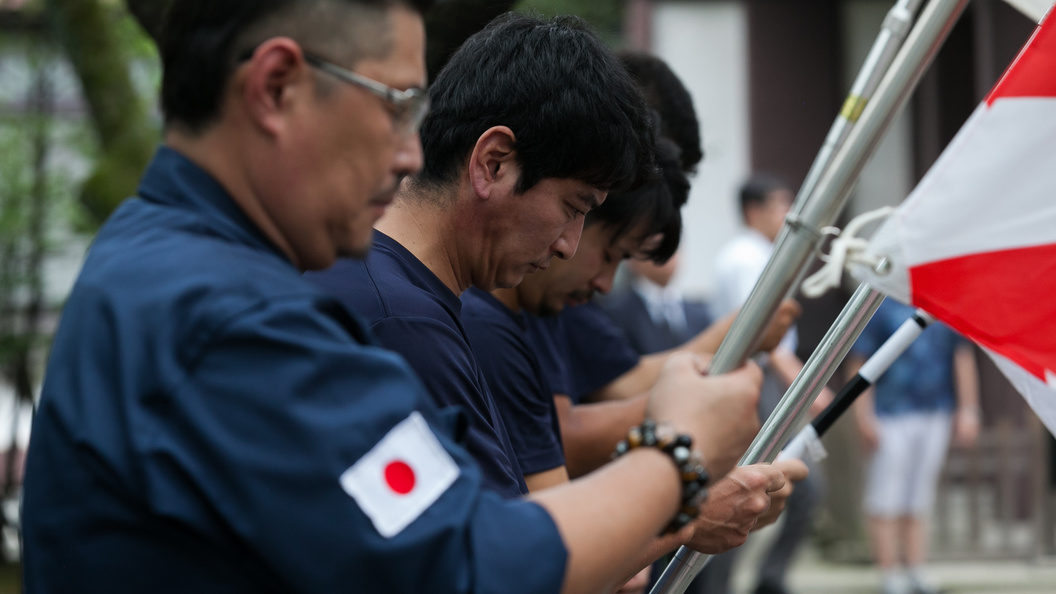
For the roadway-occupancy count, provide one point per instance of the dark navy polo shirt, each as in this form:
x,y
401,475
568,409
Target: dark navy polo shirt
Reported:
x,y
599,351
200,406
586,350
546,335
413,313
498,336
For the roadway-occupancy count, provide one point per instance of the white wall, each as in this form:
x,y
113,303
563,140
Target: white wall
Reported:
x,y
706,44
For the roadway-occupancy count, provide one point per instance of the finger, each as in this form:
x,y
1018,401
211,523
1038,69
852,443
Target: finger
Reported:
x,y
780,495
702,365
762,476
750,372
792,307
684,361
793,470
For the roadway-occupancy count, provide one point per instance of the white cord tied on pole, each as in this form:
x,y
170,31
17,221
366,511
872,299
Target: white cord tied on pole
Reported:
x,y
846,249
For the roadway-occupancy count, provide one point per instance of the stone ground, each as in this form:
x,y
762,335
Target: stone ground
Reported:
x,y
813,575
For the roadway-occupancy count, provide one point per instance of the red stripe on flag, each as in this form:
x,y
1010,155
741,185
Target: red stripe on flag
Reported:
x,y
1032,72
1004,300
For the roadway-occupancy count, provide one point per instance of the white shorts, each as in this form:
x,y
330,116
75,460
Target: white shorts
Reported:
x,y
904,471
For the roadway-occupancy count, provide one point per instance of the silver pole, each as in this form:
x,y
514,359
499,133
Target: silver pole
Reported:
x,y
800,237
787,417
794,406
892,33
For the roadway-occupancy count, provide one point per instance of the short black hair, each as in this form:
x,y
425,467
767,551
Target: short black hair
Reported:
x,y
653,209
757,187
574,110
665,93
200,45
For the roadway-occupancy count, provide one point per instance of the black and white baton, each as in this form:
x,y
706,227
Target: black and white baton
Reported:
x,y
807,443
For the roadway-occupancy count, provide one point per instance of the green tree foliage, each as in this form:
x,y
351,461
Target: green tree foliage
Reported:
x,y
35,200
606,16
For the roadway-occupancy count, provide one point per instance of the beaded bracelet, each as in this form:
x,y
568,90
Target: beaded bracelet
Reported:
x,y
690,468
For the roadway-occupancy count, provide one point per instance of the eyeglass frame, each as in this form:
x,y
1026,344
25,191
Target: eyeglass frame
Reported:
x,y
411,106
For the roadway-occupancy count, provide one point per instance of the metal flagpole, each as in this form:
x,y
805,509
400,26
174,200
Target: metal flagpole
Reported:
x,y
788,416
791,411
871,371
892,33
800,236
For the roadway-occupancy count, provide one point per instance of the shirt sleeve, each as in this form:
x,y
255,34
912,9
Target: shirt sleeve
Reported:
x,y
442,357
521,393
250,447
546,335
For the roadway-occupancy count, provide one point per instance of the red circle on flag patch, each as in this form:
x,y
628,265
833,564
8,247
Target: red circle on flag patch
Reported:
x,y
400,477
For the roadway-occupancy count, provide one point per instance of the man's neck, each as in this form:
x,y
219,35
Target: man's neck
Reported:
x,y
213,151
428,231
760,231
509,298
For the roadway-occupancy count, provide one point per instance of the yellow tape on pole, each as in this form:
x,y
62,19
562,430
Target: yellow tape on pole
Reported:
x,y
853,108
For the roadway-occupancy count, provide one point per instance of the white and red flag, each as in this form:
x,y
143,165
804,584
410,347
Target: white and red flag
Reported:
x,y
975,243
401,476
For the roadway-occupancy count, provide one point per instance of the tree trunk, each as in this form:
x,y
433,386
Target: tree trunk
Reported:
x,y
86,30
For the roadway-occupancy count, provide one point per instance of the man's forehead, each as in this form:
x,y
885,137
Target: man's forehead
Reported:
x,y
781,195
630,241
589,195
404,65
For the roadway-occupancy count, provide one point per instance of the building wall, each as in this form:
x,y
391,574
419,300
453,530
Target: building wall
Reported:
x,y
706,44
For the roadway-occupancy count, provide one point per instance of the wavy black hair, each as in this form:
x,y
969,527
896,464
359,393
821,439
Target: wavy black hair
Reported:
x,y
574,110
665,93
757,187
653,209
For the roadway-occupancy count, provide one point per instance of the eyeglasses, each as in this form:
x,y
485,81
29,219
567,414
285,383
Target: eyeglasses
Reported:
x,y
409,107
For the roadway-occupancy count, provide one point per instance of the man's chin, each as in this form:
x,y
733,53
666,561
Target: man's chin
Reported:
x,y
506,282
358,251
547,310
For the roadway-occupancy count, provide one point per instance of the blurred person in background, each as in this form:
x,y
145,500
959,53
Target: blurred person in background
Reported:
x,y
651,310
905,421
765,201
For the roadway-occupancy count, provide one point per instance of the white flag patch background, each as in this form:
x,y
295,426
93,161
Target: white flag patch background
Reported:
x,y
401,476
975,243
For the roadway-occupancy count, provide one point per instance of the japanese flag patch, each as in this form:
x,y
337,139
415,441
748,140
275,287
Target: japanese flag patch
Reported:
x,y
401,476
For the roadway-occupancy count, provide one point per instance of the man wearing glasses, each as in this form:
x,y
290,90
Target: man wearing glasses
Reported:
x,y
209,422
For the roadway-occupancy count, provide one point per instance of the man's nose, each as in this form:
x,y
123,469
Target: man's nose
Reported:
x,y
567,243
408,159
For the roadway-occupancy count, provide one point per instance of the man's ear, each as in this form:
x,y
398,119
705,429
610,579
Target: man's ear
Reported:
x,y
492,163
275,76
